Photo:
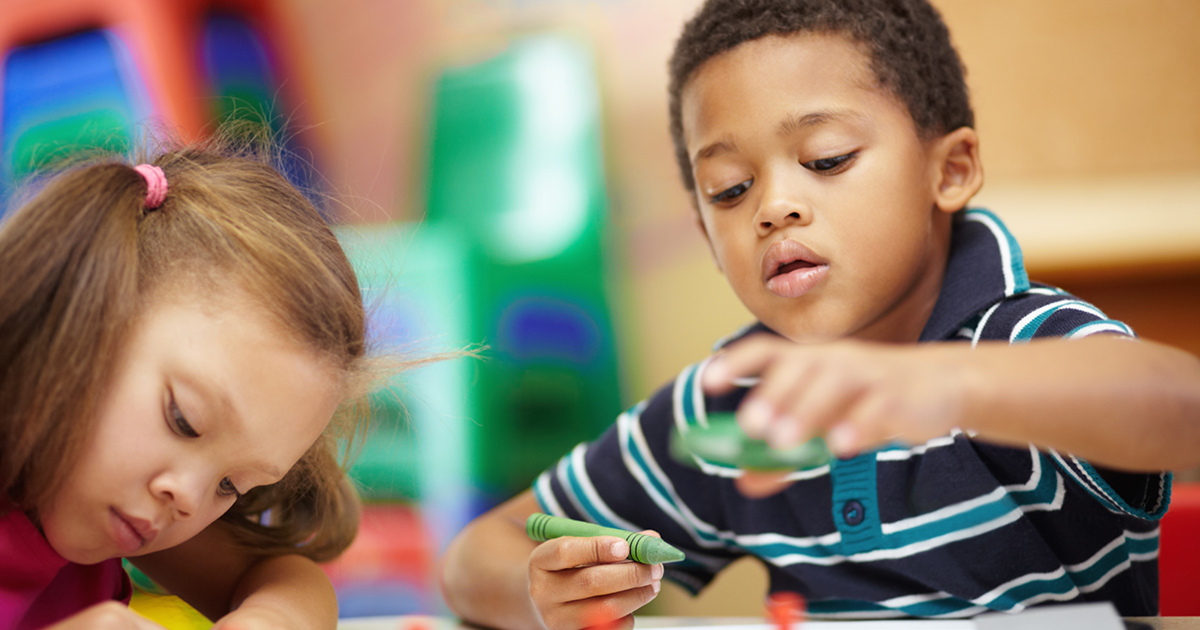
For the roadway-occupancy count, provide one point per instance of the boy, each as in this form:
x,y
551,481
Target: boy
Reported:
x,y
830,151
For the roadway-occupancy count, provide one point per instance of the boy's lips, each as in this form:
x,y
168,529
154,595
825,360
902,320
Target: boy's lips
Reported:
x,y
131,533
790,269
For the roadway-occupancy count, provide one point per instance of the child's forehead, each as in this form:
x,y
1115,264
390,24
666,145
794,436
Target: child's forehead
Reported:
x,y
780,55
807,69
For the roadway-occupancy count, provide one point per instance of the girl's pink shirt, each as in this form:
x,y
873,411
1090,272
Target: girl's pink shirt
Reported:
x,y
38,587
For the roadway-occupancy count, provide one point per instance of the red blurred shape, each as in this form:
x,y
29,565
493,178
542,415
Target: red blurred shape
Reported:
x,y
599,621
784,609
1179,554
392,542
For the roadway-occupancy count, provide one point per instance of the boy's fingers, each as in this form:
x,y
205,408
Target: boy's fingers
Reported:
x,y
783,383
862,429
843,439
569,552
614,609
757,485
747,357
823,402
605,579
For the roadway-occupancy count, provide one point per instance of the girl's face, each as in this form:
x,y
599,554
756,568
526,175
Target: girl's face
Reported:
x,y
207,402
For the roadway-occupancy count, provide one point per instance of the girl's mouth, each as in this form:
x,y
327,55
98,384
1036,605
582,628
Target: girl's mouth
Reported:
x,y
130,533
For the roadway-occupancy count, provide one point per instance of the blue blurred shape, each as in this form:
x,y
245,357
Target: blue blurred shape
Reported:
x,y
79,92
543,327
242,78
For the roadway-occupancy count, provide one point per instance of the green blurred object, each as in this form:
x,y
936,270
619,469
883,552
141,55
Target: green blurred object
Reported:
x,y
722,441
416,286
516,165
42,145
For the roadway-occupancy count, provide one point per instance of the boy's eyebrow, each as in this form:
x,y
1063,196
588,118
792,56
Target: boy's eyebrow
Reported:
x,y
820,117
709,150
786,127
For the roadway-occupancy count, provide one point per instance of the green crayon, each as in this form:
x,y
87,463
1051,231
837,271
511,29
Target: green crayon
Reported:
x,y
642,548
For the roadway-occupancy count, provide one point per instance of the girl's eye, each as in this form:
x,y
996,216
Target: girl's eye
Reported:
x,y
831,165
731,193
227,489
178,422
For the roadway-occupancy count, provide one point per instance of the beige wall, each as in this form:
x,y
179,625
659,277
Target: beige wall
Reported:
x,y
1070,97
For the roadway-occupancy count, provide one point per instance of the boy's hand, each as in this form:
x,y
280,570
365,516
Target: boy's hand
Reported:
x,y
577,582
858,395
106,616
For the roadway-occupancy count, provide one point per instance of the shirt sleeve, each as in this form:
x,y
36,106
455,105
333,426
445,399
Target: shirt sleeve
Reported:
x,y
627,479
1047,312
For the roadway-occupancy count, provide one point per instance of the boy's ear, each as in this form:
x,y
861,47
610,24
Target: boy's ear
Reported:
x,y
959,170
711,251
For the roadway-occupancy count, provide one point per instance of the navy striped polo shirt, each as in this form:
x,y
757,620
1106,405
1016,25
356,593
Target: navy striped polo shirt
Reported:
x,y
949,528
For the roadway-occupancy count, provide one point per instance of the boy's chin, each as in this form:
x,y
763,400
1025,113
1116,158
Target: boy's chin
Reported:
x,y
804,335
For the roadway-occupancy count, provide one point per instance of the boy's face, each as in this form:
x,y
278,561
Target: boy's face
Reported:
x,y
816,193
205,403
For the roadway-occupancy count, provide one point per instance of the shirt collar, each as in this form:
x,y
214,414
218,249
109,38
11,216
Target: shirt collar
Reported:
x,y
985,266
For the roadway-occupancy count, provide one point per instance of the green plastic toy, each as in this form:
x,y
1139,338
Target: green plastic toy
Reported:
x,y
724,442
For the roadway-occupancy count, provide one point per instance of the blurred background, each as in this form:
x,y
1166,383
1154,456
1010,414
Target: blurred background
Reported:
x,y
501,173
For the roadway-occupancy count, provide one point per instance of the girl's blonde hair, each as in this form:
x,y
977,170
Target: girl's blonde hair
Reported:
x,y
80,262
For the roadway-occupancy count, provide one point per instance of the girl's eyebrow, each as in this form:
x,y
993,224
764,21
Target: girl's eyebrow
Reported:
x,y
798,120
221,409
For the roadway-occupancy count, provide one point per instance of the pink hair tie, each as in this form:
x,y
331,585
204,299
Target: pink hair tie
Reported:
x,y
156,184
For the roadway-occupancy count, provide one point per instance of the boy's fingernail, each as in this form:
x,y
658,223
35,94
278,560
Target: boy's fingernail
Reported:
x,y
655,586
842,439
756,417
656,571
714,373
620,549
785,433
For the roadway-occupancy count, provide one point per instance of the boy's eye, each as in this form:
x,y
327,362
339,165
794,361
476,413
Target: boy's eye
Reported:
x,y
831,165
731,193
227,489
178,422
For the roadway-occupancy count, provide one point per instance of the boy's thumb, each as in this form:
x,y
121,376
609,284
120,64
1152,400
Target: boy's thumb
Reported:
x,y
611,549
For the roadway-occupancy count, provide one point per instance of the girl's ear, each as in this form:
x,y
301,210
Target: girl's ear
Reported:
x,y
959,171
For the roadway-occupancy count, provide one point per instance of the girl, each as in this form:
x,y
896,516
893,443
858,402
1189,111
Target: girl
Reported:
x,y
175,339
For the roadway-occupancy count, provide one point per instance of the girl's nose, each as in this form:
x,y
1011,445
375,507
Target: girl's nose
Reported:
x,y
178,491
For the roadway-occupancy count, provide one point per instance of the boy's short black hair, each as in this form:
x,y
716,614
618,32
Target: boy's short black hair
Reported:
x,y
906,40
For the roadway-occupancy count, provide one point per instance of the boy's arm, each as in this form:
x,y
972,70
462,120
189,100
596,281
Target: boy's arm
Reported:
x,y
495,576
485,570
1117,402
228,584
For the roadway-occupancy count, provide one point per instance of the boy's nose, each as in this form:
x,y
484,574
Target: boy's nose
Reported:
x,y
779,210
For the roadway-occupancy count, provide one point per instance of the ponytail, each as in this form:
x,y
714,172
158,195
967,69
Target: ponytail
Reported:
x,y
68,293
